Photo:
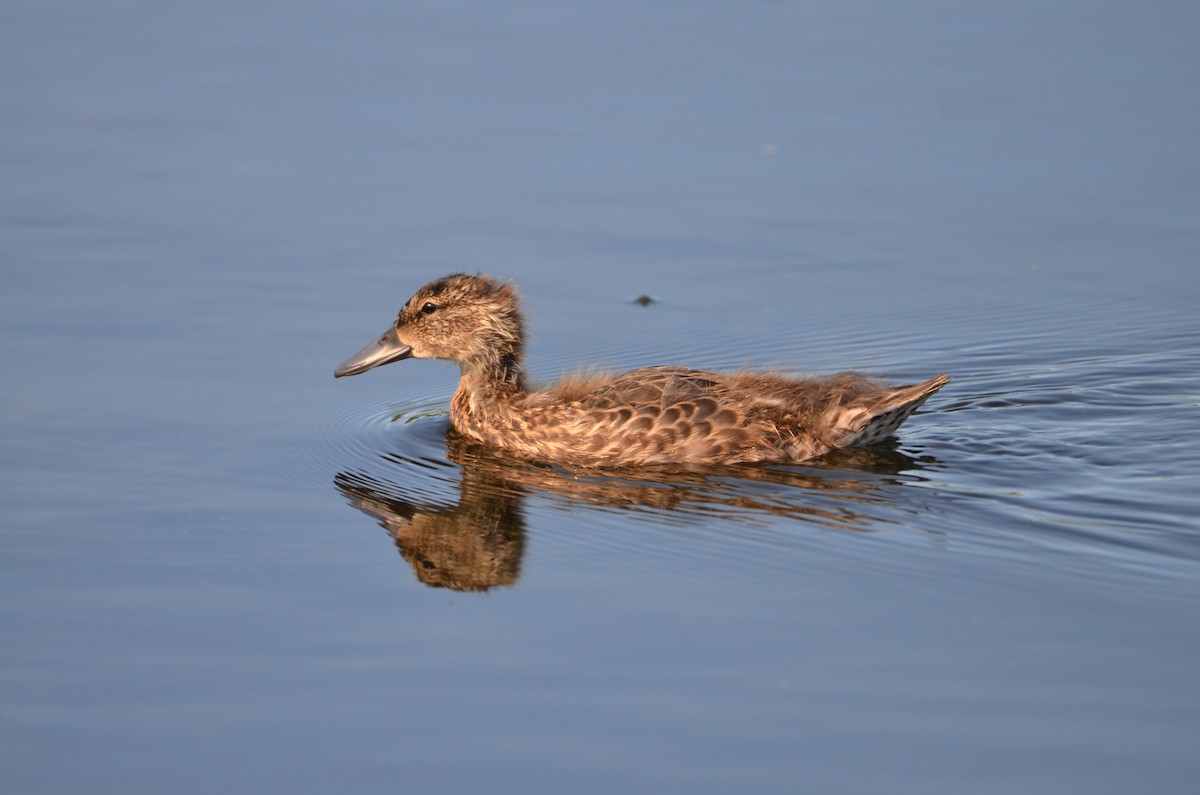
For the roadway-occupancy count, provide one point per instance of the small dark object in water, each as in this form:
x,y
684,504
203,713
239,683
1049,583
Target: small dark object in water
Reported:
x,y
643,300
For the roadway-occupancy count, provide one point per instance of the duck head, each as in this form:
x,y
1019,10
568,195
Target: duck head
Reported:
x,y
472,320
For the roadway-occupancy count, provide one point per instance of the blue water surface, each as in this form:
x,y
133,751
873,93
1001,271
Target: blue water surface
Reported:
x,y
221,570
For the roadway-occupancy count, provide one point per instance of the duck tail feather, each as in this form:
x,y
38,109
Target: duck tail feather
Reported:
x,y
882,419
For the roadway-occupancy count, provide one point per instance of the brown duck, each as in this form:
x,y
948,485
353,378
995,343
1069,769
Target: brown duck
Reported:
x,y
655,415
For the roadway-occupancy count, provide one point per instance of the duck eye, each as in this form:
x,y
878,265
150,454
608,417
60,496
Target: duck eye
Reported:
x,y
429,307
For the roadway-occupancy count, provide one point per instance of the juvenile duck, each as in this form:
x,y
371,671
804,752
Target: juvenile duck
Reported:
x,y
656,415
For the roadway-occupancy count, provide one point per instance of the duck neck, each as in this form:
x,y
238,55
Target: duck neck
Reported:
x,y
494,377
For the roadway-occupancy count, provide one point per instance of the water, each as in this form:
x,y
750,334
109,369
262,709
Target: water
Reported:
x,y
203,209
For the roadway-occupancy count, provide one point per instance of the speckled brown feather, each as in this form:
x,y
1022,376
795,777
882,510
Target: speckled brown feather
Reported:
x,y
656,415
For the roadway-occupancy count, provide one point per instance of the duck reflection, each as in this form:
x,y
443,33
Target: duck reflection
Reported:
x,y
472,546
477,543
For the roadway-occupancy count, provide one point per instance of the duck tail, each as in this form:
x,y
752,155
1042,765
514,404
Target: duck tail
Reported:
x,y
882,418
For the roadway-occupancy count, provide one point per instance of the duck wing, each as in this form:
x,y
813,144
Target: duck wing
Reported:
x,y
654,386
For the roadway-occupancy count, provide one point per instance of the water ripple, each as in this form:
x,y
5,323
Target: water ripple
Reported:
x,y
1052,440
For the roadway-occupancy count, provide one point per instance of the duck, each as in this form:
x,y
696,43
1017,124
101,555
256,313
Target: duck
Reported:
x,y
661,415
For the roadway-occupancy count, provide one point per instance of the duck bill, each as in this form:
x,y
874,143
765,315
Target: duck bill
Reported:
x,y
388,348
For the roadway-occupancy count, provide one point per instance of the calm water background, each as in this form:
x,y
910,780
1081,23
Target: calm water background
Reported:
x,y
205,207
